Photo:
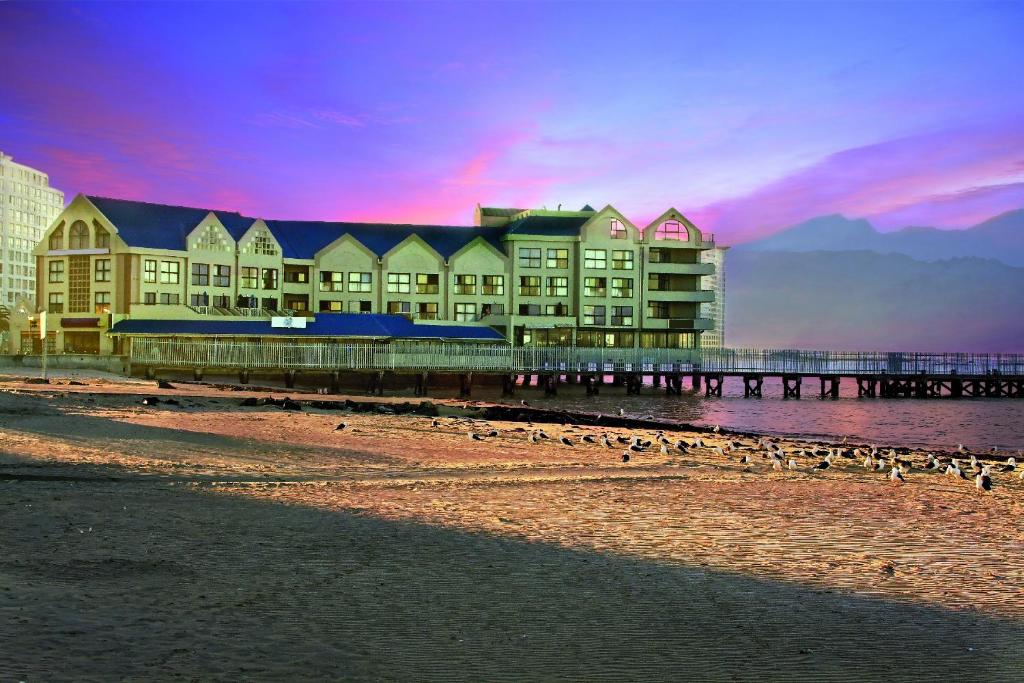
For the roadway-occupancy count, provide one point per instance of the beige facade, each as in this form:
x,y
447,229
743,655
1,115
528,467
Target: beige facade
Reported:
x,y
28,206
590,278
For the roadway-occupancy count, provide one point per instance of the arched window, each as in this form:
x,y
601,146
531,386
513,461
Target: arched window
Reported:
x,y
672,230
57,238
79,236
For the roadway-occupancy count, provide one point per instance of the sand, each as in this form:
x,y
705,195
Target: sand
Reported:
x,y
213,541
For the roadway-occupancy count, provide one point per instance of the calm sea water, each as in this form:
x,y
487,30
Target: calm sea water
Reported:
x,y
936,423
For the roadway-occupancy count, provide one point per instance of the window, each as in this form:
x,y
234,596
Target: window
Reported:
x,y
558,286
269,280
102,238
529,257
494,285
149,271
170,272
671,230
622,315
595,258
262,244
465,284
359,282
558,258
622,287
102,270
56,271
556,309
269,303
250,277
622,259
399,307
170,299
529,285
79,236
398,283
330,307
201,275
210,239
360,306
617,230
149,298
247,301
296,274
57,239
595,286
465,312
426,283
332,281
657,309
222,276
492,309
102,303
202,299
529,309
593,315
222,301
56,303
78,284
426,311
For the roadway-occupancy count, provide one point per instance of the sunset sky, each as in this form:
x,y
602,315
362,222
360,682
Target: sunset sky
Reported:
x,y
747,117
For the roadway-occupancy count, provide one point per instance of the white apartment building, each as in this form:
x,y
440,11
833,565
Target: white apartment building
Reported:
x,y
715,310
28,205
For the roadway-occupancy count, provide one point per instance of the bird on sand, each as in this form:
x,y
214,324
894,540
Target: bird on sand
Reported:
x,y
1011,464
341,426
823,465
744,460
532,438
586,438
625,456
776,463
983,481
664,450
792,464
605,442
473,436
565,441
896,476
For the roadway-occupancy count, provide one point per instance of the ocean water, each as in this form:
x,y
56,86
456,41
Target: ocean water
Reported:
x,y
978,423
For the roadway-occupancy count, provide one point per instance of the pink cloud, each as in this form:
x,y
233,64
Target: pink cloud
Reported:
x,y
885,180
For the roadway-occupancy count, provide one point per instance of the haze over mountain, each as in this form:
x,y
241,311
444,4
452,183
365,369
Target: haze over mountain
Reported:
x,y
836,283
1001,237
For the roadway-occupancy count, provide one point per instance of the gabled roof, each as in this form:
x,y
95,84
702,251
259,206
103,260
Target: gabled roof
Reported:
x,y
363,326
553,226
588,207
159,226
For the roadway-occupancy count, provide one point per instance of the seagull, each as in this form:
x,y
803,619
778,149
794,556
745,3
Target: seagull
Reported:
x,y
473,436
1011,464
622,413
933,462
542,435
719,452
960,448
681,445
586,438
625,456
880,467
823,465
792,464
435,423
565,441
983,482
341,426
523,403
532,438
745,460
776,463
636,448
896,476
605,442
716,429
664,450
493,432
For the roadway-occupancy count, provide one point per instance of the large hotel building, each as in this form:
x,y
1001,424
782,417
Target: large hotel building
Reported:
x,y
28,206
587,277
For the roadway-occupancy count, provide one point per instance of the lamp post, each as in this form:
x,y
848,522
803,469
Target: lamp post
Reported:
x,y
42,334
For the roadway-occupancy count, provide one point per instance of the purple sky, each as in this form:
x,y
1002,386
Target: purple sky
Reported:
x,y
747,117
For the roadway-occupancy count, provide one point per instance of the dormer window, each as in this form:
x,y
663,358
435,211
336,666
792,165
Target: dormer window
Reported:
x,y
210,239
617,230
102,238
262,244
672,230
79,235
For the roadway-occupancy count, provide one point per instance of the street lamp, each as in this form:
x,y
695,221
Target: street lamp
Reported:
x,y
24,310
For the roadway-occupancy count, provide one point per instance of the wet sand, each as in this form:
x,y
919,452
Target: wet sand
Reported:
x,y
212,541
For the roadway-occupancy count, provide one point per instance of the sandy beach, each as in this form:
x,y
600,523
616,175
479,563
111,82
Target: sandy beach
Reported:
x,y
207,540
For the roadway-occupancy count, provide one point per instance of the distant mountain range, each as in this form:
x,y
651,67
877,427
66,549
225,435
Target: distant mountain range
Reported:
x,y
1000,238
835,283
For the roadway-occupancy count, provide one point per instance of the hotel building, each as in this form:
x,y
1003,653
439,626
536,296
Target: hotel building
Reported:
x,y
28,206
715,310
587,277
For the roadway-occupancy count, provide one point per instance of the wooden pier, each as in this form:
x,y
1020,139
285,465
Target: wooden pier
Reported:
x,y
877,374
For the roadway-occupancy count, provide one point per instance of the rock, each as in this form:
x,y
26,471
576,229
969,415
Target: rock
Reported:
x,y
161,384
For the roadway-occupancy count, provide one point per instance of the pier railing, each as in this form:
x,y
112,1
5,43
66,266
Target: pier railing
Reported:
x,y
468,357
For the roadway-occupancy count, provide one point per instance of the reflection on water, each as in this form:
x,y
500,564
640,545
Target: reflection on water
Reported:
x,y
939,423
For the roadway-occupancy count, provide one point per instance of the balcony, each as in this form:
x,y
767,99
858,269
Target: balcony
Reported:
x,y
697,296
682,268
678,324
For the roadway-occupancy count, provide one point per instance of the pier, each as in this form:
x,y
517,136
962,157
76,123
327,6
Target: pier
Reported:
x,y
877,374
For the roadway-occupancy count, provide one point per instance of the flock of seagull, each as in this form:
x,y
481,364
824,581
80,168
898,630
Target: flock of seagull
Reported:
x,y
963,464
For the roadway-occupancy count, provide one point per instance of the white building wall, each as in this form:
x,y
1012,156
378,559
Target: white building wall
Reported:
x,y
28,205
715,337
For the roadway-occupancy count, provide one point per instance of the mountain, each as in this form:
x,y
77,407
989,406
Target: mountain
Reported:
x,y
863,300
1001,237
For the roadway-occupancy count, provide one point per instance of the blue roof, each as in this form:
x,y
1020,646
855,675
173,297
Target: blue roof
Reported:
x,y
158,226
553,226
361,325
